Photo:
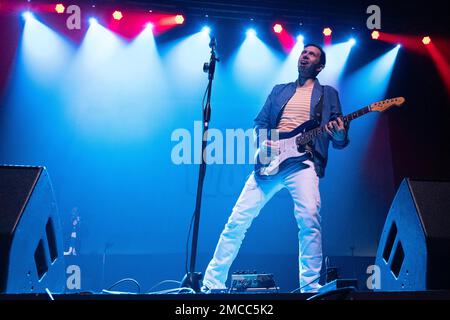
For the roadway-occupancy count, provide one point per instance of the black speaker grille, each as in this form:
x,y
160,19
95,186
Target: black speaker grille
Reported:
x,y
432,199
16,185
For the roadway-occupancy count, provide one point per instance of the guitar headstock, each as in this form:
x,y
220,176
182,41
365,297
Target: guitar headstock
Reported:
x,y
386,104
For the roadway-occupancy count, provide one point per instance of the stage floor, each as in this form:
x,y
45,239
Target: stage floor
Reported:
x,y
391,295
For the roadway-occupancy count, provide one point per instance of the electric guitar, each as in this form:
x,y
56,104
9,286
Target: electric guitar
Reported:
x,y
293,144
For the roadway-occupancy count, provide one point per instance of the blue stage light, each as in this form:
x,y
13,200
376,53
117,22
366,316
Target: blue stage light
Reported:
x,y
27,15
206,30
251,33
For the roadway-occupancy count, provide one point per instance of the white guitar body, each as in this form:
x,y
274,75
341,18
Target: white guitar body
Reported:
x,y
292,144
287,148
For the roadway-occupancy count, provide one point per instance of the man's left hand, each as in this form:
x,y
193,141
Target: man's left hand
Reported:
x,y
336,129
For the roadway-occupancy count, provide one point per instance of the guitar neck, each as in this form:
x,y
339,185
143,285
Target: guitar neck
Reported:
x,y
312,134
356,114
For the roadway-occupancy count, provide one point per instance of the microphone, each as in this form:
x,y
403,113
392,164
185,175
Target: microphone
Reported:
x,y
213,43
209,67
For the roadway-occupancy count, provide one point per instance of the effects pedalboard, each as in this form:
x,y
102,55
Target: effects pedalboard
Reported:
x,y
250,282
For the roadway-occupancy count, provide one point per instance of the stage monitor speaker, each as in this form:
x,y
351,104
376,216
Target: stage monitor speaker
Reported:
x,y
414,249
31,253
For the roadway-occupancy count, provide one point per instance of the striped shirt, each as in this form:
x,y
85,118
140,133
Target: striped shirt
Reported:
x,y
296,110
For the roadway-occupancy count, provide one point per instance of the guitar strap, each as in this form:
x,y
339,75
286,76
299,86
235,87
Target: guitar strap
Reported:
x,y
319,107
318,117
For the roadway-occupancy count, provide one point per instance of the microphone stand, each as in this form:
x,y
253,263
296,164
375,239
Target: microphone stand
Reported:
x,y
192,279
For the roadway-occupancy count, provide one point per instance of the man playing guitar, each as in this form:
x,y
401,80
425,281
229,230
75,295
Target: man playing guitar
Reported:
x,y
287,107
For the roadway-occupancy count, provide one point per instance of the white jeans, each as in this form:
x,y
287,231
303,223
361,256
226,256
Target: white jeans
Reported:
x,y
303,185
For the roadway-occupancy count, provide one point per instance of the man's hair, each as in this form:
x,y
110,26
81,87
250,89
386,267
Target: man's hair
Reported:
x,y
323,56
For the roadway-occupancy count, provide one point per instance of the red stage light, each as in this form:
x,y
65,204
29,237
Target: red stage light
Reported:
x,y
277,28
375,35
426,40
117,15
179,19
327,32
60,8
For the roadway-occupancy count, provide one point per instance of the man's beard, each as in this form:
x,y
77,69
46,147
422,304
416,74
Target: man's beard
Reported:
x,y
307,72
